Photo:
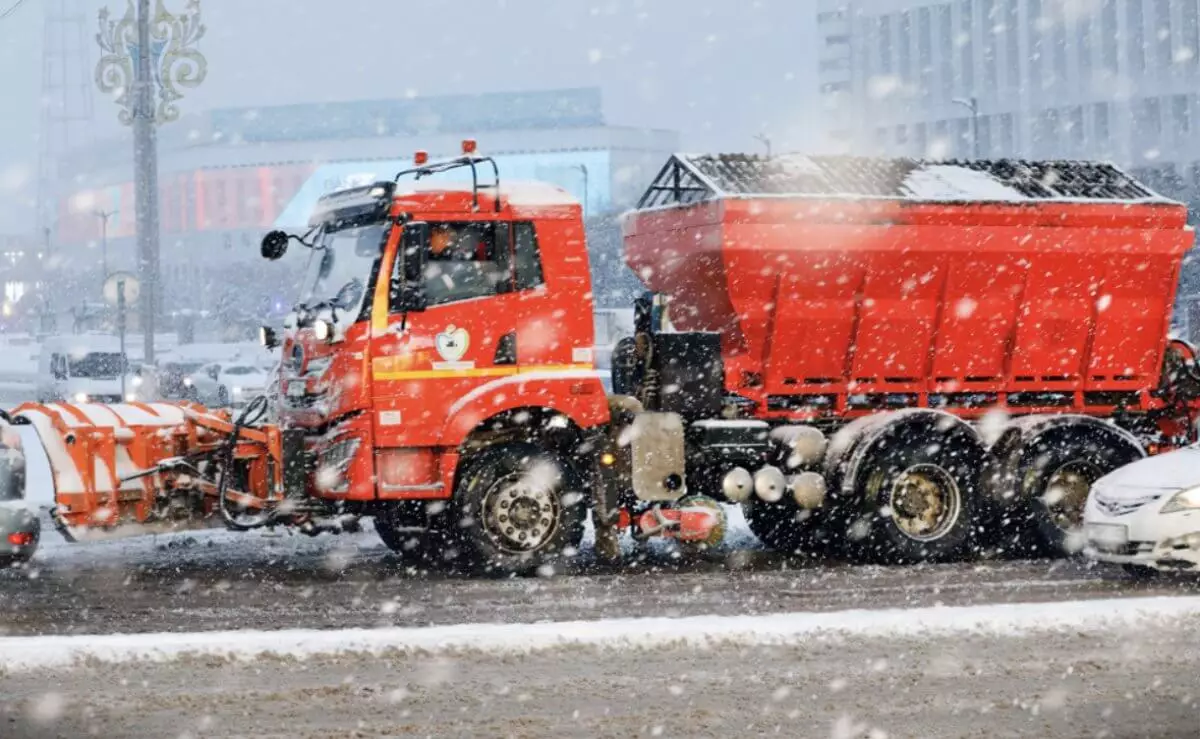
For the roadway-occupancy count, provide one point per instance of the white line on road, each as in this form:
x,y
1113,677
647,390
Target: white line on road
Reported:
x,y
1005,620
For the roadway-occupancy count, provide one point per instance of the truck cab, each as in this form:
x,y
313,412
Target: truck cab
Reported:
x,y
85,368
432,318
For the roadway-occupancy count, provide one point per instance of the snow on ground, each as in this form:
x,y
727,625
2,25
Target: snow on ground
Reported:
x,y
998,620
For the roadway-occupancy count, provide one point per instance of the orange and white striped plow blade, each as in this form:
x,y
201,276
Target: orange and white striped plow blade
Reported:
x,y
105,462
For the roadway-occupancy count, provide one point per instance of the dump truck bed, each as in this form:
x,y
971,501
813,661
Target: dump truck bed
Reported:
x,y
843,284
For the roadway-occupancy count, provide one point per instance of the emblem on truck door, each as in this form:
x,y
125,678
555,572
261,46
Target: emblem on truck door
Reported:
x,y
452,345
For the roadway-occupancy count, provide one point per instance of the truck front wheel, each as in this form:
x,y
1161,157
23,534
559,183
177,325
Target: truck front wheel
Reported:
x,y
519,507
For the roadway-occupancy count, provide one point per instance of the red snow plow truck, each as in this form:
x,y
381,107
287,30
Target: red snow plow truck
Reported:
x,y
896,359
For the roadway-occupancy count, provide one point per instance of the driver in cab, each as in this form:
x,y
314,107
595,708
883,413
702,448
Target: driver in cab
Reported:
x,y
462,263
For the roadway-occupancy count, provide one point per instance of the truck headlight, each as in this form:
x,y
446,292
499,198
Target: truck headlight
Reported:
x,y
322,330
1185,500
136,382
81,397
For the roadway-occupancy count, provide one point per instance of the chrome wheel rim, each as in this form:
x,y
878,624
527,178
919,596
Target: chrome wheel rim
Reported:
x,y
519,515
1067,493
925,502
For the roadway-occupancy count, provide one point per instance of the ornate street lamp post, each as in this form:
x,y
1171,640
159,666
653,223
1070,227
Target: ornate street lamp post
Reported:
x,y
147,59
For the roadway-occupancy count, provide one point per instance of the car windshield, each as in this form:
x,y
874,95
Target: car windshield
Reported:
x,y
242,370
98,364
339,268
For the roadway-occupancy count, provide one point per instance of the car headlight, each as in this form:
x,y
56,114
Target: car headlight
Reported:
x,y
81,397
187,382
1185,500
237,390
130,397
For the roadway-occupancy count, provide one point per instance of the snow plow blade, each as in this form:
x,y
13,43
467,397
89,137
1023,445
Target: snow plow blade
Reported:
x,y
138,468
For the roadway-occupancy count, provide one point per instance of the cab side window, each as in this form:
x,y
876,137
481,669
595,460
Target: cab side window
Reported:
x,y
527,258
463,261
58,366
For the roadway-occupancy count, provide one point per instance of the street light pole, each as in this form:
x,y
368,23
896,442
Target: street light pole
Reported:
x,y
583,168
104,215
971,104
145,167
765,142
144,70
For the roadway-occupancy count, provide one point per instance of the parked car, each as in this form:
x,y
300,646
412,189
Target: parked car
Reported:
x,y
20,528
1146,515
228,385
174,377
85,368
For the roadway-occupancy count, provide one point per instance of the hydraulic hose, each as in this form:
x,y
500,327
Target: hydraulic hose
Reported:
x,y
251,414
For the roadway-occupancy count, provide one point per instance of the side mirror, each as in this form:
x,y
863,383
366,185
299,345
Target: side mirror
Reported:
x,y
412,250
274,245
267,337
214,372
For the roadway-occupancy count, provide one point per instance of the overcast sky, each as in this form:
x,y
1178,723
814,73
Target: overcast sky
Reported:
x,y
719,71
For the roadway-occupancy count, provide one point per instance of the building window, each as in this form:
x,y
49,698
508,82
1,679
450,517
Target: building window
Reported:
x,y
1162,33
1108,37
1135,23
1187,46
1012,39
904,49
965,43
885,45
925,51
1181,122
990,24
1103,127
945,44
1037,44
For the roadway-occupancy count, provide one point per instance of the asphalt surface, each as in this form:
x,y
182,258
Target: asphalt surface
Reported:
x,y
222,580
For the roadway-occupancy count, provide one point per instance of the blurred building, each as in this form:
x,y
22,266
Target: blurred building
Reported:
x,y
227,176
1112,79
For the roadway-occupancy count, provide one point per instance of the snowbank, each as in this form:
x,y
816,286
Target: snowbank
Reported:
x,y
1004,620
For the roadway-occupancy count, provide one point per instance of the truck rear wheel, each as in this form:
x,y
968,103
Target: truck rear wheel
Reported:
x,y
519,507
918,487
1056,475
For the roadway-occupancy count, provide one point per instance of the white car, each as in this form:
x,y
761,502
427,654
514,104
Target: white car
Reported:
x,y
1146,515
227,385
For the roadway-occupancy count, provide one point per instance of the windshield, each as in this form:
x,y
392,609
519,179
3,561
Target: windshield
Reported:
x,y
242,371
98,364
339,268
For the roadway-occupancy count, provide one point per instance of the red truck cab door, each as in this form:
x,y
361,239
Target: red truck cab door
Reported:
x,y
480,280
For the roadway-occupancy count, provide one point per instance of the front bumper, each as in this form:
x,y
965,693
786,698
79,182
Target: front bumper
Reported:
x,y
1143,537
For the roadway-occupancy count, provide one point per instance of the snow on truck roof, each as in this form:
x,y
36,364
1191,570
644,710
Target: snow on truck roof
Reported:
x,y
528,193
693,178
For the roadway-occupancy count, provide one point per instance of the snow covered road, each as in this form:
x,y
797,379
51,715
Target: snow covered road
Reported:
x,y
743,642
1123,669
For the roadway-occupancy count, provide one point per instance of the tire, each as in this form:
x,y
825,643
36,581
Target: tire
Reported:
x,y
783,526
1056,473
545,490
917,487
413,548
1141,573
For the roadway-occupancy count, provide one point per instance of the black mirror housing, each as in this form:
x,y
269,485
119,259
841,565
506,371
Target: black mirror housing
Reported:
x,y
274,245
412,250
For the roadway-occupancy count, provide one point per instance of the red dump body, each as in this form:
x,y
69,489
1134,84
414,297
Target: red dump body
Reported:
x,y
832,303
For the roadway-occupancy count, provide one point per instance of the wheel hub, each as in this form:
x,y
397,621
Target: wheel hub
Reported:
x,y
519,517
925,502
